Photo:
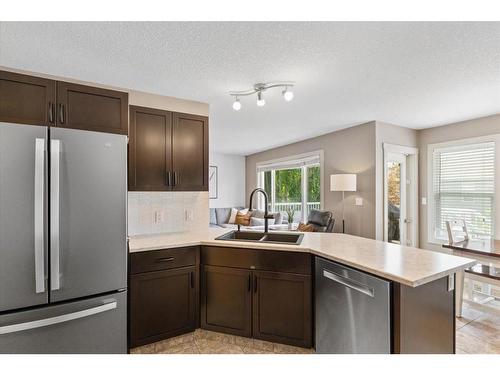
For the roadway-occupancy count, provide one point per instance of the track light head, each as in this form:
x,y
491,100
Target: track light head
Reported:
x,y
260,99
236,104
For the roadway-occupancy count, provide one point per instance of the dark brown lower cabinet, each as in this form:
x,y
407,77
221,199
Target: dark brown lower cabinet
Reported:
x,y
162,304
282,308
226,300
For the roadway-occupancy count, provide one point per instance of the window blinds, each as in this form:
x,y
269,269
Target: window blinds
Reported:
x,y
464,187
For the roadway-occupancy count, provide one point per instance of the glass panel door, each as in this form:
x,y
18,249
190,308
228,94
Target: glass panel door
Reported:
x,y
395,186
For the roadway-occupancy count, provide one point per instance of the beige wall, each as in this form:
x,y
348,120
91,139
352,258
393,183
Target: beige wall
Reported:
x,y
396,135
466,129
350,150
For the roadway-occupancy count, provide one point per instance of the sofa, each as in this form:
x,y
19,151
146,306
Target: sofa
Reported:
x,y
219,218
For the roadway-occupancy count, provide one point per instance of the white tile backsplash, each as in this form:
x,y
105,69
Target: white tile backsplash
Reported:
x,y
166,212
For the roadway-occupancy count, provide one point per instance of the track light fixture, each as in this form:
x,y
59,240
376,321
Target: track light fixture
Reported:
x,y
259,89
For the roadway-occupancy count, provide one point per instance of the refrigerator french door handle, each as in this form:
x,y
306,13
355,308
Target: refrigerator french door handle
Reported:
x,y
57,319
55,150
39,215
349,283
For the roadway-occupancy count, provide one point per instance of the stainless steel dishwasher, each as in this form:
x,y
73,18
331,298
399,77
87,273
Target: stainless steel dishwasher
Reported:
x,y
352,310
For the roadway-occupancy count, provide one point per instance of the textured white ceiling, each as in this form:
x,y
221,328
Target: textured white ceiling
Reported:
x,y
414,74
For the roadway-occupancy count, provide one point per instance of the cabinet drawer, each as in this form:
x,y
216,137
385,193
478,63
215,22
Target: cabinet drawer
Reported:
x,y
163,259
265,260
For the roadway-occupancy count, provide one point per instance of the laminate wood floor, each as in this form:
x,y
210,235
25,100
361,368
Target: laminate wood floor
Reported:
x,y
477,333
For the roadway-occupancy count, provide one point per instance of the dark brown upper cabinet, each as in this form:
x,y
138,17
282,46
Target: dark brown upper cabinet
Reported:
x,y
27,100
190,152
91,108
150,150
33,100
167,151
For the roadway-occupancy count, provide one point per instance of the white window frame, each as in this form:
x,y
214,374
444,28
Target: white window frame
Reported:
x,y
289,159
430,179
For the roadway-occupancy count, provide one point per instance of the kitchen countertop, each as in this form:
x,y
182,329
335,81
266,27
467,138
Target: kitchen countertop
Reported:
x,y
406,265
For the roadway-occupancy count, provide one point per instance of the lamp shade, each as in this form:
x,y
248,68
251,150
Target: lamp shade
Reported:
x,y
343,182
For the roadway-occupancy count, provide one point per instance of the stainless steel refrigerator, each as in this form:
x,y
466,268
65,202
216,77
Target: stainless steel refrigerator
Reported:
x,y
63,241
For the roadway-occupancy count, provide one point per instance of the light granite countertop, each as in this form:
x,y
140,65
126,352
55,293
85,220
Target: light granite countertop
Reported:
x,y
407,265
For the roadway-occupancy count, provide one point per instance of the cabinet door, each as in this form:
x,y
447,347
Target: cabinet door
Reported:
x,y
26,99
190,152
226,300
162,304
91,108
282,308
150,150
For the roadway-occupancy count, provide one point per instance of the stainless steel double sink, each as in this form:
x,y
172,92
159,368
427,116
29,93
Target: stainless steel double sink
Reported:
x,y
270,237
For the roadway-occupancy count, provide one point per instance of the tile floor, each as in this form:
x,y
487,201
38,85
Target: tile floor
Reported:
x,y
207,342
477,333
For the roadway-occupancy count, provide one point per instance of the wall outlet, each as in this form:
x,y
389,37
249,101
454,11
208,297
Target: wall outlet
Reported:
x,y
158,217
358,202
424,201
188,214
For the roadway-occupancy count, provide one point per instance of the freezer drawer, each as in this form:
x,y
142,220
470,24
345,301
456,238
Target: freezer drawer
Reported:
x,y
94,325
352,310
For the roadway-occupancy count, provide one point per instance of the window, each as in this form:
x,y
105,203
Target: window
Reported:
x,y
292,184
463,187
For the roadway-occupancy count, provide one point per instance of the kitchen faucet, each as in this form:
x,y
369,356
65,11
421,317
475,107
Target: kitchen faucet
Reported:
x,y
266,213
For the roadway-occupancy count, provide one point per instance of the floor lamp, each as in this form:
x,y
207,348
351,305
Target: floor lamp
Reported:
x,y
343,183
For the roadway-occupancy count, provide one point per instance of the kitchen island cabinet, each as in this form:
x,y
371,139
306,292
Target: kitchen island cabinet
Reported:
x,y
266,291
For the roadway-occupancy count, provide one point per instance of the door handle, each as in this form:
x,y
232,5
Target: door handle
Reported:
x,y
51,113
61,113
349,283
169,179
163,260
55,151
57,319
39,215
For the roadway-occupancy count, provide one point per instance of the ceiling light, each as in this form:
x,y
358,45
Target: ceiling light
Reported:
x,y
259,89
260,99
288,95
237,104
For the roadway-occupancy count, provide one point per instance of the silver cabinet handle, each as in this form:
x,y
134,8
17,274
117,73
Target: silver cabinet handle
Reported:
x,y
39,215
57,319
55,150
349,283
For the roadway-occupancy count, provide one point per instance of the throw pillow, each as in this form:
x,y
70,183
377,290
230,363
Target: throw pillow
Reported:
x,y
259,214
234,213
242,219
305,227
278,218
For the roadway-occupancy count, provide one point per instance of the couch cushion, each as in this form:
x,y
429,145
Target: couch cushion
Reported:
x,y
222,215
256,222
213,217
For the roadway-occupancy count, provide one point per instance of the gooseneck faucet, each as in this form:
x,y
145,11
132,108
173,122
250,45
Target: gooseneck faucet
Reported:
x,y
266,213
